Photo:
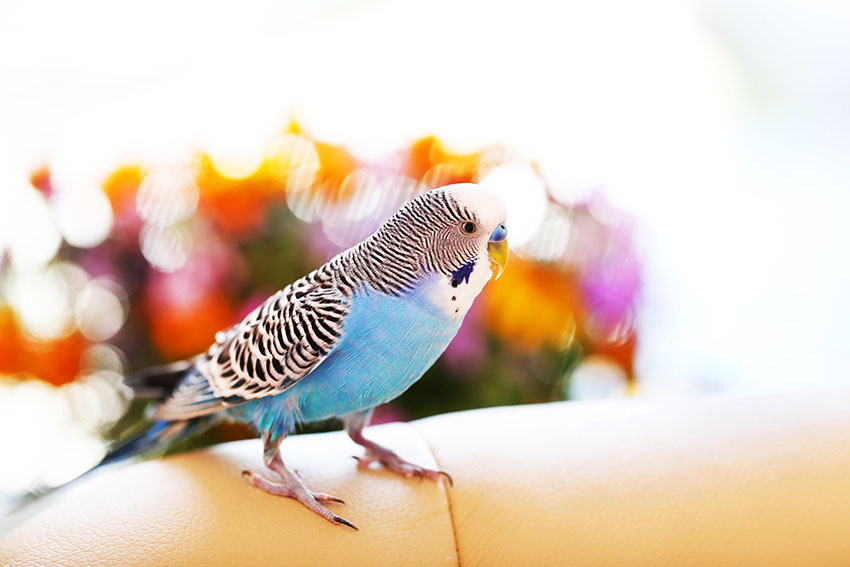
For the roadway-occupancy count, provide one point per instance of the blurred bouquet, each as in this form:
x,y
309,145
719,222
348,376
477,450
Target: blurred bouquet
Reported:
x,y
156,260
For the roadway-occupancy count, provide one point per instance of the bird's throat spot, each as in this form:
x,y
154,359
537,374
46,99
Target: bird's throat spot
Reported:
x,y
461,275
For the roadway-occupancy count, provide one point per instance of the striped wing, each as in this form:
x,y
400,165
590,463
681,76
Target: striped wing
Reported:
x,y
279,343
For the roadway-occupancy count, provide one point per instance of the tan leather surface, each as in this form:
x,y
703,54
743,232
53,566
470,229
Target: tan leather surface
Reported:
x,y
697,481
195,509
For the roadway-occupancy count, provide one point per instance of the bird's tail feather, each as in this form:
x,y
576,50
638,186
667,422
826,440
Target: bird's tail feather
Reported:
x,y
157,439
147,443
158,382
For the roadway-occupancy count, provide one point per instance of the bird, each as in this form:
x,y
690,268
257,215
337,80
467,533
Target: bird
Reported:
x,y
353,334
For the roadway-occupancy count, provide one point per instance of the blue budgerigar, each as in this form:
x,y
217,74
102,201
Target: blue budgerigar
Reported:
x,y
353,334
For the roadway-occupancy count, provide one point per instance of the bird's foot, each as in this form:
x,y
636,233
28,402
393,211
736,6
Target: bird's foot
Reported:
x,y
391,461
293,487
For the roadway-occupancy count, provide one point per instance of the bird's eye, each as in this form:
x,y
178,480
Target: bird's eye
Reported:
x,y
469,227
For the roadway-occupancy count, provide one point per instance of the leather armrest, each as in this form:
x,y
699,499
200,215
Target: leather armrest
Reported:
x,y
712,480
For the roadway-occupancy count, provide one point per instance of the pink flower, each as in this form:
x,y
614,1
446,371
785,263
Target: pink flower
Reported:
x,y
468,348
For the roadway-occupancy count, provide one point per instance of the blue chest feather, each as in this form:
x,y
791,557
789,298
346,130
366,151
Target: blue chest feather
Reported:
x,y
388,343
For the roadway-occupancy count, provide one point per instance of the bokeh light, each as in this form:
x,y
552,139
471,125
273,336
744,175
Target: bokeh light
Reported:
x,y
27,230
167,197
597,377
552,239
100,310
524,193
44,298
83,215
166,247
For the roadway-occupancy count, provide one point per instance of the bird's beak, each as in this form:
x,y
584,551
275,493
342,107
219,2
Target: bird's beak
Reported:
x,y
497,249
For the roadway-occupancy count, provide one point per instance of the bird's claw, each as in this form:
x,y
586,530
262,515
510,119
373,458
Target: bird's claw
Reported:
x,y
293,487
344,522
392,462
322,497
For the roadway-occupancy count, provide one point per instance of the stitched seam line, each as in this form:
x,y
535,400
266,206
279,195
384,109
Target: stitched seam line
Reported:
x,y
448,496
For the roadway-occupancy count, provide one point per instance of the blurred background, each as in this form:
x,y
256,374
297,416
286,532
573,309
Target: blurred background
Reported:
x,y
676,172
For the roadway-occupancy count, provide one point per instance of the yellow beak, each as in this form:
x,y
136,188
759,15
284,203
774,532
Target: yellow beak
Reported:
x,y
498,252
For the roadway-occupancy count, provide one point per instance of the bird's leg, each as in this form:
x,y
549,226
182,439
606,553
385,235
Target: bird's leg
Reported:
x,y
292,485
354,424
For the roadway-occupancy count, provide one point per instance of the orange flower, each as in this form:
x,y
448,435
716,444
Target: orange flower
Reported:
x,y
419,156
57,362
430,162
237,206
468,163
40,179
335,164
621,351
121,186
189,328
533,305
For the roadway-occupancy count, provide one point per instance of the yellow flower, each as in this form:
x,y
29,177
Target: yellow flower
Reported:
x,y
533,305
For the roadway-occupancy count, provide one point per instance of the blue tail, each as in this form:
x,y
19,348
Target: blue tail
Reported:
x,y
147,443
158,383
156,439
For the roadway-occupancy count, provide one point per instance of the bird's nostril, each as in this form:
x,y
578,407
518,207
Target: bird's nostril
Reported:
x,y
500,233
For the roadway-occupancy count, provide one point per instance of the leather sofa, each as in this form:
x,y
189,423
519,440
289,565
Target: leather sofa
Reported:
x,y
711,480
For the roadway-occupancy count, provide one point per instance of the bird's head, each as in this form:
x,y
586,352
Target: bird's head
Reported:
x,y
459,231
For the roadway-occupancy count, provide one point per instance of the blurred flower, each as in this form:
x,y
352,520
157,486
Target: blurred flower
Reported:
x,y
253,301
167,196
467,350
195,247
610,286
533,305
40,179
419,157
237,207
120,188
157,260
611,275
55,361
429,161
188,328
335,164
99,261
621,351
189,306
10,346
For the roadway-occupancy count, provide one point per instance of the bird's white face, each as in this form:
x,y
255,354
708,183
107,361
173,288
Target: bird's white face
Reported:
x,y
483,203
488,234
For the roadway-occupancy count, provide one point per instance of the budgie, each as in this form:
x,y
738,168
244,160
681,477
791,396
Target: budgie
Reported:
x,y
352,335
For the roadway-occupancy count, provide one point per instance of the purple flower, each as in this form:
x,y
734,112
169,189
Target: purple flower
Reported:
x,y
468,349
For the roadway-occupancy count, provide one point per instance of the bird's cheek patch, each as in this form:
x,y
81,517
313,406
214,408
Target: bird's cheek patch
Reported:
x,y
461,275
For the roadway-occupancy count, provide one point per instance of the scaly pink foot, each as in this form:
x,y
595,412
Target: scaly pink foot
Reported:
x,y
354,424
293,487
391,461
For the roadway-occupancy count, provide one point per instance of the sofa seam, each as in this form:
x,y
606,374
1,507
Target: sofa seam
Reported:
x,y
447,495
